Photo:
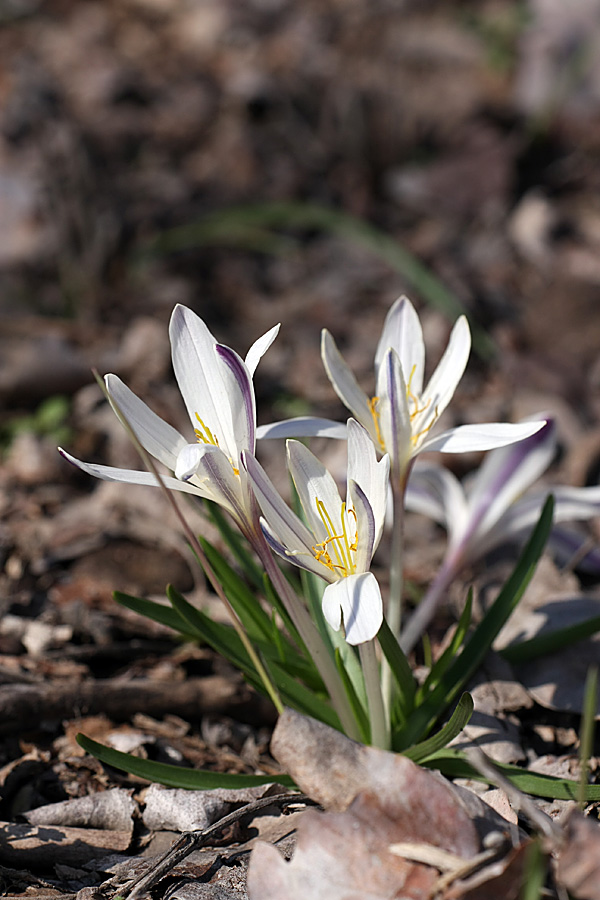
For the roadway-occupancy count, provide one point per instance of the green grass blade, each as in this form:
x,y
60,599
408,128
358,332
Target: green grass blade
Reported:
x,y
299,696
588,728
441,666
534,875
255,620
358,704
165,615
175,776
236,543
400,667
451,729
466,664
453,764
235,226
551,641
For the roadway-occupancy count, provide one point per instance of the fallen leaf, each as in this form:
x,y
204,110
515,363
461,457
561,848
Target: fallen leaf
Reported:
x,y
111,810
578,867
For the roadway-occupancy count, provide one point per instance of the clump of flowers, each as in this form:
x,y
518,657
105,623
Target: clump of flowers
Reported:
x,y
320,635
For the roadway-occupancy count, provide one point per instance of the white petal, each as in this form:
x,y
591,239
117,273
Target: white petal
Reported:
x,y
132,476
473,438
364,469
302,426
435,492
314,483
154,434
259,348
367,537
394,418
402,331
443,382
345,384
206,383
359,598
215,472
507,472
285,524
332,609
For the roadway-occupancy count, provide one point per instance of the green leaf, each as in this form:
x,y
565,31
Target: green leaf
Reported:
x,y
358,705
165,615
236,544
453,764
255,620
551,641
466,664
399,666
175,776
298,696
451,729
441,666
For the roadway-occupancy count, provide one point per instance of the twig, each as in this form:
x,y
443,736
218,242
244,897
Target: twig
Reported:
x,y
194,840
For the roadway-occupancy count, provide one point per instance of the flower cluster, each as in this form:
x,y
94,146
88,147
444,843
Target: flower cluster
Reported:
x,y
329,537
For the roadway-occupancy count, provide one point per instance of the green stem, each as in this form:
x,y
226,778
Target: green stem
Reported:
x,y
394,607
314,643
380,722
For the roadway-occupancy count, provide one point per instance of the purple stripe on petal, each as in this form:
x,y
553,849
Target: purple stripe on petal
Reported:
x,y
240,372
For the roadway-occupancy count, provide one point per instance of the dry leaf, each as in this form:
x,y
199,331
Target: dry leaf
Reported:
x,y
111,810
578,867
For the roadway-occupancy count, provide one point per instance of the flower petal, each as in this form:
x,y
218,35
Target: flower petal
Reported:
x,y
242,401
314,483
345,384
442,384
359,599
132,476
371,476
259,348
473,438
506,473
302,426
394,418
402,331
207,385
160,439
367,537
285,524
435,492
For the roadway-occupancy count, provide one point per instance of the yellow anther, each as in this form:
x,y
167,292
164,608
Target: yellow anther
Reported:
x,y
204,435
339,544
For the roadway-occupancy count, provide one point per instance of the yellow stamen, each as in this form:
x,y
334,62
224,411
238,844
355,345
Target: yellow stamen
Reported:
x,y
375,413
204,435
340,544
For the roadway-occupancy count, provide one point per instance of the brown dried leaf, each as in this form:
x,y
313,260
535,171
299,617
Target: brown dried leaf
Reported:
x,y
578,867
112,810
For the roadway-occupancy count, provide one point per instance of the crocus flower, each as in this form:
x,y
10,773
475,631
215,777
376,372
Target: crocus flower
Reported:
x,y
401,416
341,537
492,509
216,385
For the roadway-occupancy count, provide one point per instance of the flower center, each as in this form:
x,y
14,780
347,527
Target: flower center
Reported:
x,y
336,552
205,436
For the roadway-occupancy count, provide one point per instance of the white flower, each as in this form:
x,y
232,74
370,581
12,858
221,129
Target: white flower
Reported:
x,y
342,536
401,416
216,385
493,508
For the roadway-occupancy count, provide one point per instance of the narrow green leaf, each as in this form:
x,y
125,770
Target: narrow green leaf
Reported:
x,y
236,544
551,641
299,696
588,729
441,666
466,664
452,763
399,666
175,776
359,708
255,620
451,729
165,615
534,875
